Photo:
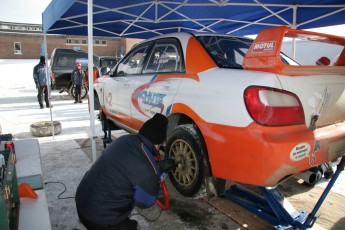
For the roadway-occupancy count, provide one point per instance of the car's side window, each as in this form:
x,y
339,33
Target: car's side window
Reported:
x,y
165,58
133,63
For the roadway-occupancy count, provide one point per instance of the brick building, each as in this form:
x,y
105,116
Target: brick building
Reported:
x,y
25,41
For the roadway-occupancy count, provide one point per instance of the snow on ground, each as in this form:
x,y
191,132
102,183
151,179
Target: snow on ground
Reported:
x,y
62,159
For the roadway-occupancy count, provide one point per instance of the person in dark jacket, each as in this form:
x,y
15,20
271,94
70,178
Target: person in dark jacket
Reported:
x,y
78,78
124,176
41,82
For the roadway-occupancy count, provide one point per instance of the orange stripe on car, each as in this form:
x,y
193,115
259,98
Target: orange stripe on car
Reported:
x,y
197,59
184,109
124,119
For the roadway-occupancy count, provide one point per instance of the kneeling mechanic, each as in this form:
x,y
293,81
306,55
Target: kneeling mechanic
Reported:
x,y
124,176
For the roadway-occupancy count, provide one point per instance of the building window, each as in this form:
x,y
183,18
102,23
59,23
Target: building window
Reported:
x,y
96,42
76,41
17,48
104,43
68,41
12,27
84,42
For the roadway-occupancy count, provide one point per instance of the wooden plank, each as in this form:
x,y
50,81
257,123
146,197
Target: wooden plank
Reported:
x,y
238,214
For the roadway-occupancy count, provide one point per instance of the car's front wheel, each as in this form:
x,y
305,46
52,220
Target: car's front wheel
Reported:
x,y
184,144
84,91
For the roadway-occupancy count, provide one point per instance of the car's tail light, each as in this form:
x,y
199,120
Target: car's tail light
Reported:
x,y
53,76
273,107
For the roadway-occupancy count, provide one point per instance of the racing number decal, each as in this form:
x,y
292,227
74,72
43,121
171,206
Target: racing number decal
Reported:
x,y
109,98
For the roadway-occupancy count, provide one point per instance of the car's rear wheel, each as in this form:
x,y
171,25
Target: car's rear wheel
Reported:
x,y
84,91
184,144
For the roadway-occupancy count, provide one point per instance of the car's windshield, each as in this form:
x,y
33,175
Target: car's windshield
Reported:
x,y
229,52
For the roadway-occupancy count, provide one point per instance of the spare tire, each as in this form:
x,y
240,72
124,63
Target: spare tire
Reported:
x,y
45,128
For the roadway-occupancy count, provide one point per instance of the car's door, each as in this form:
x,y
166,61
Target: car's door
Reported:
x,y
153,91
129,67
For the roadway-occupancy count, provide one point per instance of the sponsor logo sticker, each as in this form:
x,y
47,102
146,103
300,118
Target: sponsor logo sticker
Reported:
x,y
300,151
264,46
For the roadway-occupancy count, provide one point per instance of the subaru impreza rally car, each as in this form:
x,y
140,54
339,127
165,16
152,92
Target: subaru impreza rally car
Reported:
x,y
238,109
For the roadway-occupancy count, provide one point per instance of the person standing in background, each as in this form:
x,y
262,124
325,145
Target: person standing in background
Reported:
x,y
41,82
95,74
78,78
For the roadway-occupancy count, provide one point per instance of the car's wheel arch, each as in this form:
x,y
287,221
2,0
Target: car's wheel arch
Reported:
x,y
179,119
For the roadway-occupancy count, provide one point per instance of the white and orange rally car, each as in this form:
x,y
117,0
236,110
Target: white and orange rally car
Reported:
x,y
238,109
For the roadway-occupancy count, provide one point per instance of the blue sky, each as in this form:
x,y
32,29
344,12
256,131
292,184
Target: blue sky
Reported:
x,y
30,11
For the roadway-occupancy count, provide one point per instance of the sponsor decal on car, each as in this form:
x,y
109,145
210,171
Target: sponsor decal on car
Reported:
x,y
147,101
300,151
264,46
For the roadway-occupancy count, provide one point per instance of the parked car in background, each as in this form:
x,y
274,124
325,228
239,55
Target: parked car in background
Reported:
x,y
238,109
107,61
62,63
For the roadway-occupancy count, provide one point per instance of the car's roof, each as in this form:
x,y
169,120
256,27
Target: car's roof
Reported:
x,y
187,35
68,50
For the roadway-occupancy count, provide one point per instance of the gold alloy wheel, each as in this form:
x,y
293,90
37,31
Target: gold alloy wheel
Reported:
x,y
187,169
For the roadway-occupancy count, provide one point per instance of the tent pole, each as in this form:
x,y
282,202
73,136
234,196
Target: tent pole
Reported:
x,y
90,67
49,82
294,27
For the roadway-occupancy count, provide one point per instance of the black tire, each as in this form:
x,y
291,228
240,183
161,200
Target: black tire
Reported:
x,y
184,144
84,91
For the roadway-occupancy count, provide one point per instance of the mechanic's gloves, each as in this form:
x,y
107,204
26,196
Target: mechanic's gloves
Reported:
x,y
167,165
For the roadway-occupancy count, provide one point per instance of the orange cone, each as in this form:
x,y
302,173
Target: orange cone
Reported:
x,y
26,191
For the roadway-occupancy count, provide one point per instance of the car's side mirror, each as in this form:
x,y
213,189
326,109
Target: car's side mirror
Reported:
x,y
105,71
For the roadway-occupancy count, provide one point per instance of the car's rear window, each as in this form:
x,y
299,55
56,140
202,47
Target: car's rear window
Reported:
x,y
68,60
227,52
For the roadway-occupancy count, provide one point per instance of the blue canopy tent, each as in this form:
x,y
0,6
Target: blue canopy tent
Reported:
x,y
148,18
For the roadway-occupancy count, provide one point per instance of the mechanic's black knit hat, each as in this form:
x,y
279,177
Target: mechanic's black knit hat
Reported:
x,y
155,129
42,59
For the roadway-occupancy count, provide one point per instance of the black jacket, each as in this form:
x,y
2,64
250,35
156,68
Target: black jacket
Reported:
x,y
125,175
78,77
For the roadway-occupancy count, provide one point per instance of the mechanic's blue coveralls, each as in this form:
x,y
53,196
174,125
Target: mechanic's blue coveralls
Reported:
x,y
124,176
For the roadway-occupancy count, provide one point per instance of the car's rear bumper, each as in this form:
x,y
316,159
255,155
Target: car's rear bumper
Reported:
x,y
264,156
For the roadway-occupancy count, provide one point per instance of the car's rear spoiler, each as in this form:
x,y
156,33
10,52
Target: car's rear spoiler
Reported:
x,y
264,53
